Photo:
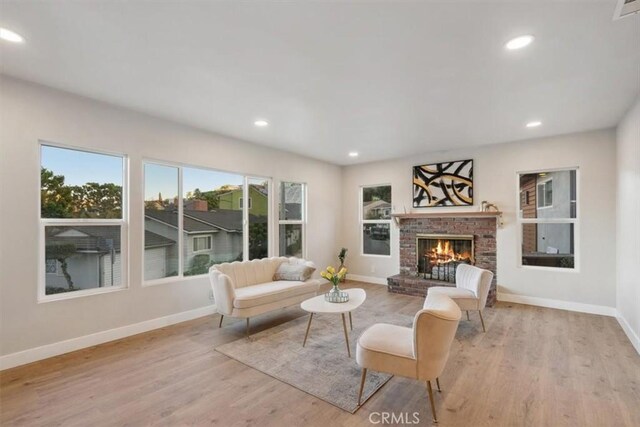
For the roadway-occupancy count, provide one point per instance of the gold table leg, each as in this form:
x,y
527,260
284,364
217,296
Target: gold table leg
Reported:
x,y
346,335
350,321
308,327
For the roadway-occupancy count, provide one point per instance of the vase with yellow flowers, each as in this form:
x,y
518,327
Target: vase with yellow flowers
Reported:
x,y
335,294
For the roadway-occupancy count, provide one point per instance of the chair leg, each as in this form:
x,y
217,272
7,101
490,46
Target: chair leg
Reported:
x,y
220,324
247,328
364,376
468,315
438,384
482,321
433,406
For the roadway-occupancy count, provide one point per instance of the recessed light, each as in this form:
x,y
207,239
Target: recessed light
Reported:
x,y
519,42
10,36
534,124
353,154
261,123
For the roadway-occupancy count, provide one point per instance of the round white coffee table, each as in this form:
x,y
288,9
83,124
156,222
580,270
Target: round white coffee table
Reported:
x,y
319,305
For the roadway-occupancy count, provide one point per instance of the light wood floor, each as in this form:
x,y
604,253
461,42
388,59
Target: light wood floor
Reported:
x,y
533,367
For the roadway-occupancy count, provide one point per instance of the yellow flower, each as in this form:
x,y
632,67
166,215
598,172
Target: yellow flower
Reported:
x,y
331,270
342,272
323,274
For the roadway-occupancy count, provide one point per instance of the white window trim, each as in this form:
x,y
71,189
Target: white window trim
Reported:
x,y
302,221
575,221
373,221
240,200
180,277
69,222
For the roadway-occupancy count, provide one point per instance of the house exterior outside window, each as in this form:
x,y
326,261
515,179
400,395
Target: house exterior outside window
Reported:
x,y
549,226
291,222
375,220
83,226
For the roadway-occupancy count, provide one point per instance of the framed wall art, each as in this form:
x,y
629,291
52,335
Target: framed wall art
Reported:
x,y
443,184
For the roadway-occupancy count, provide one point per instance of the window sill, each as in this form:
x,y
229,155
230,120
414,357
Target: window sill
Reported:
x,y
549,269
80,294
171,279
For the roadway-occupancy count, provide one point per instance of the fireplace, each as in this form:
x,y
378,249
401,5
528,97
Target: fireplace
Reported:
x,y
438,255
462,237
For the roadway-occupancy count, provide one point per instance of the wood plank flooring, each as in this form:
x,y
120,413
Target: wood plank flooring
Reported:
x,y
533,367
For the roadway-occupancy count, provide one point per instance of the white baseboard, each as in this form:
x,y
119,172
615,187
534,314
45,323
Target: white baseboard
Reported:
x,y
73,344
559,304
368,279
633,337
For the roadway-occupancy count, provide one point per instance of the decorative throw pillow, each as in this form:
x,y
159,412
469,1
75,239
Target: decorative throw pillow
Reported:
x,y
298,272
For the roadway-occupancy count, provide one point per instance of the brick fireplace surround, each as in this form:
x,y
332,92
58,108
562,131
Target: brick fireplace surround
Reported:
x,y
482,227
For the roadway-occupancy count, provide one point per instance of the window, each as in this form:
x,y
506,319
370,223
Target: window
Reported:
x,y
241,205
375,219
201,243
549,228
291,219
545,193
52,266
194,218
161,237
83,226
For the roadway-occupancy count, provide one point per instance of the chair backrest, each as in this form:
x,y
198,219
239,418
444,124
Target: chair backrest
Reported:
x,y
475,279
434,328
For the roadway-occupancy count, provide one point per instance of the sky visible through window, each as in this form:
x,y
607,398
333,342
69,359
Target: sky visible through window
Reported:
x,y
80,167
164,179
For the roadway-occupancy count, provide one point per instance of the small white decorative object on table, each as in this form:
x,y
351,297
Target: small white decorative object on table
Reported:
x,y
317,305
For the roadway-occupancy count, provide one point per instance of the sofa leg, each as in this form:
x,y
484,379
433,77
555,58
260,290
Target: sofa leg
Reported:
x,y
364,376
220,324
482,321
438,384
247,328
433,406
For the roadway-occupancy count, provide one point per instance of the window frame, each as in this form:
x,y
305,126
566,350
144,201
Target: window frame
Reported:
x,y
520,221
209,244
302,221
122,222
544,193
363,221
180,277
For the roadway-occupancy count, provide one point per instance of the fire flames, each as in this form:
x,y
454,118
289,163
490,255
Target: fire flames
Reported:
x,y
444,253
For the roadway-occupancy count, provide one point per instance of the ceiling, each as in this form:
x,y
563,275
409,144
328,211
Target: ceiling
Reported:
x,y
386,79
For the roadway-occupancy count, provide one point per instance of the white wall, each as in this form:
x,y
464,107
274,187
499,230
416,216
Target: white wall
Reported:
x,y
495,180
30,113
628,227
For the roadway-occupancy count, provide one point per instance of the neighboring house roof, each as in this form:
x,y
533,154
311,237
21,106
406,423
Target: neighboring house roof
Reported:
x,y
100,239
377,204
205,221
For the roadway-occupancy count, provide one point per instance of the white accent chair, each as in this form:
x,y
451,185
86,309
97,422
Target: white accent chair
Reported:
x,y
420,352
246,289
471,290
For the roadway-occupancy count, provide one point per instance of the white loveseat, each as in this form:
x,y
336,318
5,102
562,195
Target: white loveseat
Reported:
x,y
246,289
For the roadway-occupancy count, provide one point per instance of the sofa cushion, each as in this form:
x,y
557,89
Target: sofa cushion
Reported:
x,y
297,272
265,293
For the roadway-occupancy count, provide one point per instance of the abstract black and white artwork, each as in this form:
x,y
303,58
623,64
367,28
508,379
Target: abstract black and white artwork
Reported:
x,y
443,184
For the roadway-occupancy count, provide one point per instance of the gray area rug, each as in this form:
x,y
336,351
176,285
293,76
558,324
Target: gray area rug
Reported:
x,y
322,368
